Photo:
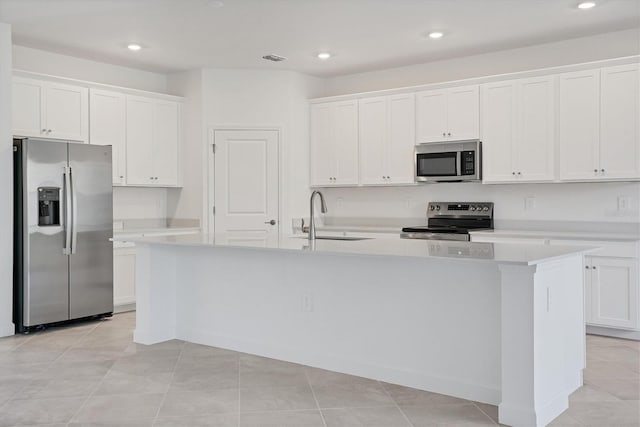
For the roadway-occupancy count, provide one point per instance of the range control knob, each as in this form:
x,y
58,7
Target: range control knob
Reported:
x,y
486,208
472,208
432,207
437,207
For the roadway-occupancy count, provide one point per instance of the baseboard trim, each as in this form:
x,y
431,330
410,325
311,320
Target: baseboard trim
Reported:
x,y
123,308
8,330
448,386
615,333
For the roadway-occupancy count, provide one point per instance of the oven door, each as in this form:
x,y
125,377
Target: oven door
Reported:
x,y
438,166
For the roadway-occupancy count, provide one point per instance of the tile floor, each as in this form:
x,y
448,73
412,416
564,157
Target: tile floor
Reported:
x,y
93,375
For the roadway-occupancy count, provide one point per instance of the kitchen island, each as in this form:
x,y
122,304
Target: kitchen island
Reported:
x,y
497,323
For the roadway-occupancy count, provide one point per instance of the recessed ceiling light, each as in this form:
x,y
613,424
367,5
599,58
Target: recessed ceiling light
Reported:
x,y
215,3
324,55
134,47
436,35
586,5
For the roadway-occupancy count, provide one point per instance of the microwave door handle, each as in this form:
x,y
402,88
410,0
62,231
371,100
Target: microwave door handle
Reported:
x,y
458,163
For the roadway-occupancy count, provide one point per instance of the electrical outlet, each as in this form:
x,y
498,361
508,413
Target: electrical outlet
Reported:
x,y
623,203
307,303
529,203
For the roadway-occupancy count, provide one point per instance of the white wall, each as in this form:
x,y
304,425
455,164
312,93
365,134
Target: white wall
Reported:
x,y
584,49
139,203
6,185
240,97
580,202
41,61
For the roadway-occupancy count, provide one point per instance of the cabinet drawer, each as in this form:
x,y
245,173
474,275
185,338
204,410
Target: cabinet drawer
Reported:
x,y
606,249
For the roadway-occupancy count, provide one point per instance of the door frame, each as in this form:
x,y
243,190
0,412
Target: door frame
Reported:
x,y
208,193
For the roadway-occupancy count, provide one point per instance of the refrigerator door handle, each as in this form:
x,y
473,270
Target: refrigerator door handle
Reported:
x,y
74,213
67,210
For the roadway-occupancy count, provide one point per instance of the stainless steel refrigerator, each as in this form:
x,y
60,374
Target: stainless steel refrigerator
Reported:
x,y
63,222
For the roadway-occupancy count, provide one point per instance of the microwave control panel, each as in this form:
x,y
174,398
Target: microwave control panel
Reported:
x,y
468,160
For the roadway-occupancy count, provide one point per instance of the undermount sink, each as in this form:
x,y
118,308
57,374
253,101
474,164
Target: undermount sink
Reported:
x,y
346,238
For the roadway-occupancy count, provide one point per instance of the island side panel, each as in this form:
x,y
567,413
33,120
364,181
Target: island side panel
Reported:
x,y
432,324
542,340
155,294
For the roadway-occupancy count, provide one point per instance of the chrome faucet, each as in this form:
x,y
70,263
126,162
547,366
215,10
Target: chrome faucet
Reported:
x,y
323,209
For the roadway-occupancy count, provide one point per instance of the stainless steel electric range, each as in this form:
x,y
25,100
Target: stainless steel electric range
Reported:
x,y
452,221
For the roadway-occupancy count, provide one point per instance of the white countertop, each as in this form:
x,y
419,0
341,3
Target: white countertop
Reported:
x,y
504,253
568,235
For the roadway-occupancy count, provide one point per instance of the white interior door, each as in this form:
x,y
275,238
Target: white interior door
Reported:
x,y
245,193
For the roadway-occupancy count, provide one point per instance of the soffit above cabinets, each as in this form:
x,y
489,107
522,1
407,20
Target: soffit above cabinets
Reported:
x,y
361,35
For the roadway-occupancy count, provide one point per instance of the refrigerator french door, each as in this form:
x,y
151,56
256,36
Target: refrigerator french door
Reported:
x,y
63,222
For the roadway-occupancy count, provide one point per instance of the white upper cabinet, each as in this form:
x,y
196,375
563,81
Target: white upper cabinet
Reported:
x,y
372,127
401,140
620,122
599,119
387,137
108,127
322,165
165,147
536,129
579,124
139,141
50,110
448,114
518,130
334,143
27,108
499,120
152,142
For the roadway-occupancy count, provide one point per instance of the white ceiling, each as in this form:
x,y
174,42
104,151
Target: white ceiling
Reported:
x,y
362,34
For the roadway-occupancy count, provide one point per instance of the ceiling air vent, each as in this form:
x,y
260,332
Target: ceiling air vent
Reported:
x,y
274,58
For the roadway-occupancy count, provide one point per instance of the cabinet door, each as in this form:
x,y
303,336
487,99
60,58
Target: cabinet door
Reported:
x,y
499,131
107,115
535,142
66,112
321,161
614,292
431,117
579,125
27,99
463,113
139,145
620,122
124,276
401,138
372,126
346,142
165,143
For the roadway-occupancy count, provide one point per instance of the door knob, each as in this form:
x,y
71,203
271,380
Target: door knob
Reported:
x,y
272,222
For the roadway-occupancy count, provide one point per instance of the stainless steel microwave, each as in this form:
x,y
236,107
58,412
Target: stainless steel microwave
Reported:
x,y
448,161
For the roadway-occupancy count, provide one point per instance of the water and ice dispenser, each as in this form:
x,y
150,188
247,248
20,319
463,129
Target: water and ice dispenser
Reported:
x,y
48,206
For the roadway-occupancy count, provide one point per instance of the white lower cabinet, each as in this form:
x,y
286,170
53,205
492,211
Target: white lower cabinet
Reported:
x,y
124,276
611,289
611,280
